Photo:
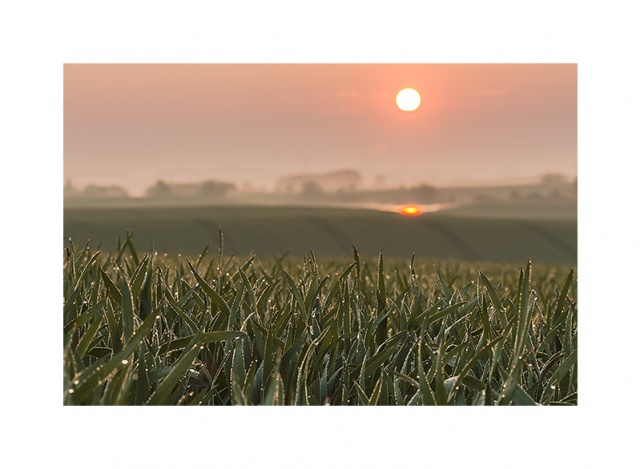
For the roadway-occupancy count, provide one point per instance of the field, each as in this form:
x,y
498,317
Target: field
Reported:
x,y
485,234
305,329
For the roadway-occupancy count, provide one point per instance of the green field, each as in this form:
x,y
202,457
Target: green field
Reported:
x,y
221,330
490,234
297,306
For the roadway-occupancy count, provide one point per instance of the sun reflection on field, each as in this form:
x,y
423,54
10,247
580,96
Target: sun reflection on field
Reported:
x,y
410,210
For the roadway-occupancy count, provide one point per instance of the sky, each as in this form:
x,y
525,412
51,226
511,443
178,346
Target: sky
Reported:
x,y
250,124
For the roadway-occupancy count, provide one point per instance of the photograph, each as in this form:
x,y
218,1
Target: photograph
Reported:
x,y
320,234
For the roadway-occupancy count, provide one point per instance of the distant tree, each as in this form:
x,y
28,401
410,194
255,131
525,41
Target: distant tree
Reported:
x,y
69,190
328,182
216,189
96,191
311,188
160,189
553,179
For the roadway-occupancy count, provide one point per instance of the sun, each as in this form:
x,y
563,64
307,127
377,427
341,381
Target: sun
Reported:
x,y
408,99
410,210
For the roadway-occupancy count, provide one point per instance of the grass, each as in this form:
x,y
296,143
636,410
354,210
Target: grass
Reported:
x,y
148,329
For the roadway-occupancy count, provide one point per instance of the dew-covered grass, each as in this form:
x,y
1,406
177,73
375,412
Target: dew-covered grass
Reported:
x,y
150,329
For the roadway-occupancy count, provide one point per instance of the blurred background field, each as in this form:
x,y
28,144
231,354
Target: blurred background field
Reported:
x,y
492,233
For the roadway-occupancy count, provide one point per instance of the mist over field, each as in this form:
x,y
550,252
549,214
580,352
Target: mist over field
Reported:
x,y
251,125
344,188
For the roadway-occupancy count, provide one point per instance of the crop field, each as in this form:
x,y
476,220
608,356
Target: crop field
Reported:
x,y
149,328
466,235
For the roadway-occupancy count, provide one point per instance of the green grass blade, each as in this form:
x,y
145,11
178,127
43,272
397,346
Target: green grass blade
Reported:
x,y
127,310
495,299
87,382
163,391
89,335
205,338
425,389
113,291
214,295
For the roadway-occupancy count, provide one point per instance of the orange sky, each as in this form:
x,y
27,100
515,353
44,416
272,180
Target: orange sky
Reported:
x,y
133,124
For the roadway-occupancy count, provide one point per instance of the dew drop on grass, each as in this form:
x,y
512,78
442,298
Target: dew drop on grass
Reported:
x,y
125,362
70,391
76,382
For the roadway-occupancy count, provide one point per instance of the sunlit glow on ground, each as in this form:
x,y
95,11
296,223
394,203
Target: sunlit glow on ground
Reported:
x,y
394,208
410,210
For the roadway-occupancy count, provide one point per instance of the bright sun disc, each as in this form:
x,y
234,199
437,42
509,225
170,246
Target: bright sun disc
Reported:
x,y
410,210
408,99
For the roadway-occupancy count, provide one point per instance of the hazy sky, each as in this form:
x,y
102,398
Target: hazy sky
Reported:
x,y
133,124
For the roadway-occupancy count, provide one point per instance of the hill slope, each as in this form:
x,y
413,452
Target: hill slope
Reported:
x,y
273,231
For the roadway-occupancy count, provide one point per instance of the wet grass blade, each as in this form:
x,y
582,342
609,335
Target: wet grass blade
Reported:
x,y
425,389
381,291
214,295
521,397
205,338
433,318
113,291
88,336
495,299
560,372
139,276
377,389
163,391
443,286
86,383
127,310
562,299
295,291
178,310
441,392
274,395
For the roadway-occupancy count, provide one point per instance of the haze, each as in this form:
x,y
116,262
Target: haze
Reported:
x,y
250,124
